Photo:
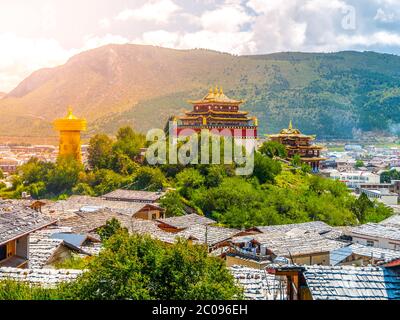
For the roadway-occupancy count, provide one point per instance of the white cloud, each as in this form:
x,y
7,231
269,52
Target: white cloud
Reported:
x,y
158,11
227,18
105,23
20,56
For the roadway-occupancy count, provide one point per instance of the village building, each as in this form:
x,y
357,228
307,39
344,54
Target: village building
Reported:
x,y
86,204
354,179
259,284
340,283
313,226
152,229
177,224
394,221
376,235
134,196
219,115
300,144
295,246
47,253
360,255
16,225
215,238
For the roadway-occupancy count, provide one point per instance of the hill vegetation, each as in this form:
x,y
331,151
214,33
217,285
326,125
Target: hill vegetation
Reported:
x,y
332,95
274,193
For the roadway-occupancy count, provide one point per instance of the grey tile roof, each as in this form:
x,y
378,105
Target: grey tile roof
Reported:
x,y
215,235
47,278
295,243
17,220
186,221
314,226
393,220
376,230
85,223
258,284
133,195
150,227
352,283
41,250
55,234
376,253
66,208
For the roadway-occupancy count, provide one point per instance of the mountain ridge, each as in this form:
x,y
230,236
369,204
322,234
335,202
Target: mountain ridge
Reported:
x,y
333,95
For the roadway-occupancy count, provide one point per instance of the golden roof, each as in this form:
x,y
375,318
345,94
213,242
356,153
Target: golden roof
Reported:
x,y
290,131
216,96
70,123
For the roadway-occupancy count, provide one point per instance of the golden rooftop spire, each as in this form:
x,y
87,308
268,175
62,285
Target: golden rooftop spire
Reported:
x,y
290,125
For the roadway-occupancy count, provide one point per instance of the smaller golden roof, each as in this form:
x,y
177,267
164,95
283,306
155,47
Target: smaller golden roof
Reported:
x,y
291,132
216,95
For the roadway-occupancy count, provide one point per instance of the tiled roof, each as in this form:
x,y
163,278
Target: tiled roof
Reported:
x,y
295,243
352,283
90,221
214,235
375,253
314,226
393,220
150,227
41,250
133,195
67,208
17,220
258,284
44,277
376,230
186,221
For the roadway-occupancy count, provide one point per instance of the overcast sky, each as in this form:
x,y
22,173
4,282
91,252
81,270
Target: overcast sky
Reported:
x,y
45,33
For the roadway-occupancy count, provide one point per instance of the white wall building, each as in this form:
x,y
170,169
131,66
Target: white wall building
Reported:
x,y
353,179
376,235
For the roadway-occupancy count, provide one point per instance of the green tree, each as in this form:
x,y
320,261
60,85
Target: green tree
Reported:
x,y
265,169
173,204
111,228
296,161
361,207
273,149
388,176
359,164
83,189
188,180
137,267
64,176
100,151
148,178
34,171
129,142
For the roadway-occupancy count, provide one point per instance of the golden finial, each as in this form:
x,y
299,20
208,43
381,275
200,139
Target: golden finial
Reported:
x,y
290,125
221,92
211,90
216,90
255,119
